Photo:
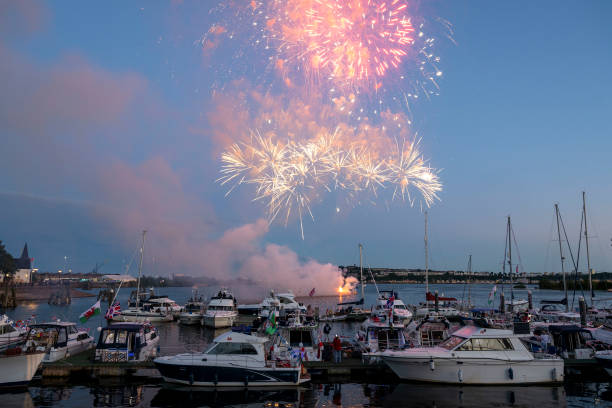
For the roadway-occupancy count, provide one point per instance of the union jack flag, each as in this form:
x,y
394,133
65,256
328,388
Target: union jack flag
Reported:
x,y
112,311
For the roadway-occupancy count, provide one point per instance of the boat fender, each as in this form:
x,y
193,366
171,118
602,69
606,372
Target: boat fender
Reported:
x,y
511,373
432,365
246,381
216,381
191,378
460,375
554,374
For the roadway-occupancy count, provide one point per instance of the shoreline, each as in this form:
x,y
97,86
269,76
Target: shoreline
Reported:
x,y
42,293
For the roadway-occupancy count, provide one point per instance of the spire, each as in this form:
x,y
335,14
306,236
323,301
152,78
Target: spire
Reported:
x,y
24,262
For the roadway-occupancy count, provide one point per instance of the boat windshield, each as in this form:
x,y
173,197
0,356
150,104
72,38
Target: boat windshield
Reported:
x,y
228,308
300,336
232,348
400,306
117,337
451,342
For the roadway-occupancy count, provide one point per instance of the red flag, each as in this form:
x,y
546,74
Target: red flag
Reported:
x,y
312,292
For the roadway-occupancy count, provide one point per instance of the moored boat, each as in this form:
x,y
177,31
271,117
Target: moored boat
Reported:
x,y
59,339
474,355
233,360
124,342
221,310
18,364
193,311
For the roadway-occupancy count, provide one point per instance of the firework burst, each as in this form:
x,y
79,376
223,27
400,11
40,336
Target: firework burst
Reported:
x,y
289,177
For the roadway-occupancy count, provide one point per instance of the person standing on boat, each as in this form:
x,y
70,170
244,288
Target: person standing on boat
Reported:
x,y
337,345
545,341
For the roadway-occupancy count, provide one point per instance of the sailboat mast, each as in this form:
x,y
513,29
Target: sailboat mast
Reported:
x,y
140,268
361,272
510,263
470,282
586,238
562,258
426,260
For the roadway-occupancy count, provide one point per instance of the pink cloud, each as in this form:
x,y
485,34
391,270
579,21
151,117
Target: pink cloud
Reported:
x,y
184,234
68,95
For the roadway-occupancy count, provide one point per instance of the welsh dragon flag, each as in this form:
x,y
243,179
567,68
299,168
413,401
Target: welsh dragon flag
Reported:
x,y
92,311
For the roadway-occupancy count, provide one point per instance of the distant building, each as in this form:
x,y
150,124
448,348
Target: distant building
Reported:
x,y
118,278
23,274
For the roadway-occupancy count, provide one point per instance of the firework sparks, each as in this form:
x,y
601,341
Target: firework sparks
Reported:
x,y
289,177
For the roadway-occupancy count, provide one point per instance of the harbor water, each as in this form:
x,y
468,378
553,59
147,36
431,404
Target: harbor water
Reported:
x,y
175,338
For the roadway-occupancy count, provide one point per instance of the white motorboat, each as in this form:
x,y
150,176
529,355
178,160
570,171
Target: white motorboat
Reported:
x,y
124,342
388,299
377,334
517,305
221,310
10,333
142,314
233,360
193,311
289,305
59,339
18,364
162,304
263,309
299,339
556,313
473,355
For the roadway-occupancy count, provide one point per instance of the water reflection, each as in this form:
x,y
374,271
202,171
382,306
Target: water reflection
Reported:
x,y
440,396
17,398
169,396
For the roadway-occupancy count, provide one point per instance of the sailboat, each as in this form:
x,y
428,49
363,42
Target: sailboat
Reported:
x,y
447,306
138,312
513,305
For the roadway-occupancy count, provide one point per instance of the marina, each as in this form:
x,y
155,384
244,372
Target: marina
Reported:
x,y
305,204
356,367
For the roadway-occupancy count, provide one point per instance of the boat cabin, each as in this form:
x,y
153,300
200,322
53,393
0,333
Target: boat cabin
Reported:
x,y
122,342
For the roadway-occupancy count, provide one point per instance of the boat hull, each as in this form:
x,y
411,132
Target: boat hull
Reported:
x,y
143,317
16,371
218,321
222,376
476,371
190,319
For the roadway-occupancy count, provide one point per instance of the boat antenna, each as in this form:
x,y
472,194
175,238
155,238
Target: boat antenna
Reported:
x,y
586,238
562,257
144,232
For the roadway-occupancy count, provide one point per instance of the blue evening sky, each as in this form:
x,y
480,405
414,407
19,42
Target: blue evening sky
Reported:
x,y
523,120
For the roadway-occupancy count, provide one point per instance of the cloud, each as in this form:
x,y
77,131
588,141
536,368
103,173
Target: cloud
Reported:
x,y
72,94
184,234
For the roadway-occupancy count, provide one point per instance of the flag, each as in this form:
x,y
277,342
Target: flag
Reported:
x,y
492,294
390,302
272,324
312,292
112,311
92,311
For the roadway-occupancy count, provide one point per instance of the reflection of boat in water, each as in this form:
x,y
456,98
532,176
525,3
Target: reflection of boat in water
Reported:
x,y
21,399
447,396
170,394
